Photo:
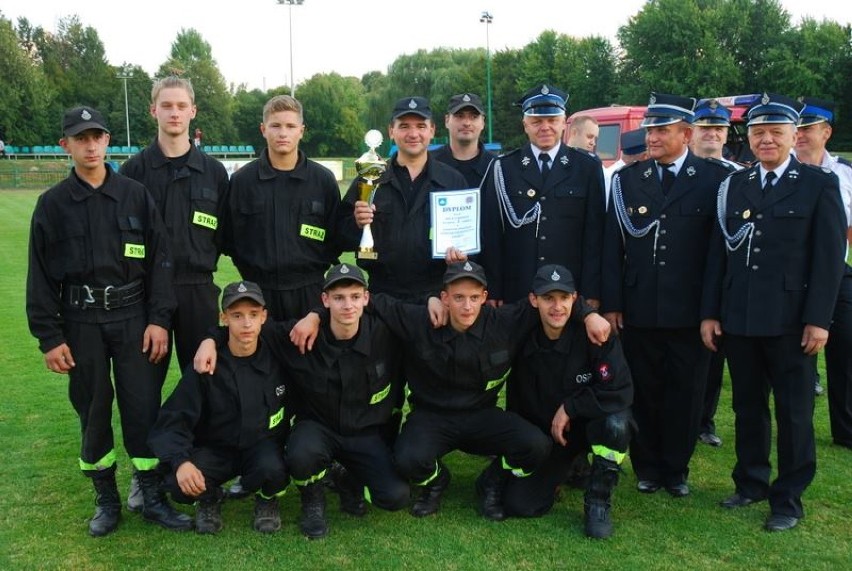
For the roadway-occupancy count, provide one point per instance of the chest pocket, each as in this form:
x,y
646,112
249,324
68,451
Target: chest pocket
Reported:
x,y
379,388
789,211
203,211
68,249
495,367
570,200
132,237
697,210
312,222
250,203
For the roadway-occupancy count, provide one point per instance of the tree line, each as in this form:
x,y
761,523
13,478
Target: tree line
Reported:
x,y
699,48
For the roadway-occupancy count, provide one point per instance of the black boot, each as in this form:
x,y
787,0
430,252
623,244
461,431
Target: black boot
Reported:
x,y
350,490
156,507
313,523
489,488
107,506
430,495
602,481
267,516
134,494
208,513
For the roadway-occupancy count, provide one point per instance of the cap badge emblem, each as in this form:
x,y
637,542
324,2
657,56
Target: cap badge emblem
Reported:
x,y
531,192
467,267
85,115
242,288
344,269
466,98
746,214
690,171
545,90
555,276
412,104
765,99
653,100
714,104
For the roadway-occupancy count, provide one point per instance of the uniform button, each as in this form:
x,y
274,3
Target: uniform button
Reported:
x,y
543,198
755,267
543,218
663,232
662,216
544,237
759,216
663,263
756,250
758,233
663,247
541,258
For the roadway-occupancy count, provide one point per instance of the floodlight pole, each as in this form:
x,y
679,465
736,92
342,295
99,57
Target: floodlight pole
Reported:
x,y
487,18
125,77
290,4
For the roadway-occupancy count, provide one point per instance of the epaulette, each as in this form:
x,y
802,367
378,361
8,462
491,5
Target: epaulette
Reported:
x,y
723,164
510,153
746,170
844,161
818,168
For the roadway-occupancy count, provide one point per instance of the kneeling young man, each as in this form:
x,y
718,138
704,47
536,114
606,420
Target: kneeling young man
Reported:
x,y
578,393
230,422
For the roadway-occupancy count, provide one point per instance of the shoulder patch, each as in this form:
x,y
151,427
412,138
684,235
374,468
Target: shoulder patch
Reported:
x,y
509,153
844,161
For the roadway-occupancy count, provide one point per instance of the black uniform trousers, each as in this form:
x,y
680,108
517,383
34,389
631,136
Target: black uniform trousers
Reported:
x,y
669,369
284,304
534,495
428,435
714,389
838,365
260,467
97,348
312,446
758,365
196,314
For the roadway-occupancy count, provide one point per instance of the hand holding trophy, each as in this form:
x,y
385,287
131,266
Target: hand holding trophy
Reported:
x,y
370,167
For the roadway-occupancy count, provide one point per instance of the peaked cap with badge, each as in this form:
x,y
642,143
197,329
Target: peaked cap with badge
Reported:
x,y
711,113
665,109
411,106
772,108
543,101
78,119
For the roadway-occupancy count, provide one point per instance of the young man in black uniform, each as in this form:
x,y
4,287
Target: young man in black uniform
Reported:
x,y
655,252
579,394
189,188
773,296
456,374
344,393
279,219
465,120
542,204
99,297
400,215
230,421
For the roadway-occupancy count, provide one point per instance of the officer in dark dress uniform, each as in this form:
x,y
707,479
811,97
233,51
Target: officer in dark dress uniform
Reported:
x,y
99,297
542,204
655,252
465,120
773,296
401,218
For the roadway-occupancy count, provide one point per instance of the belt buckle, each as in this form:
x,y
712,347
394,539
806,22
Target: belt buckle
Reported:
x,y
107,289
89,299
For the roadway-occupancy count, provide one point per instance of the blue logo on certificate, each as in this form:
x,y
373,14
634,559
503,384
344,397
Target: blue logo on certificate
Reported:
x,y
442,202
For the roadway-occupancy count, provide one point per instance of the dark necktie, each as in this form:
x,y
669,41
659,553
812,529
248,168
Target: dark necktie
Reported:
x,y
767,182
545,165
668,177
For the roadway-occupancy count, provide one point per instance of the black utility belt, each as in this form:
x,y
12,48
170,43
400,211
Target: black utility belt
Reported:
x,y
109,297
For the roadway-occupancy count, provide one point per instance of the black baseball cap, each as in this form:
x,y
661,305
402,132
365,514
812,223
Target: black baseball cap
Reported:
x,y
463,100
344,272
412,106
461,270
553,277
236,291
78,119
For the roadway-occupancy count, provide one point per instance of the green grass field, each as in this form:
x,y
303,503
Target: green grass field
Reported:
x,y
45,502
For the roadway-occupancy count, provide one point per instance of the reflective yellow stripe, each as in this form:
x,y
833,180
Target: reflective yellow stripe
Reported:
x,y
206,220
145,464
432,477
608,453
516,472
497,382
381,395
108,461
312,232
276,418
134,250
311,480
367,495
275,495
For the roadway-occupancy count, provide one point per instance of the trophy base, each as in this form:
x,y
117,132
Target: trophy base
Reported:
x,y
367,254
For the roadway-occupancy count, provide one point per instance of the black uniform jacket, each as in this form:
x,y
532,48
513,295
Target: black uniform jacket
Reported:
x,y
788,275
348,389
473,170
569,231
590,381
401,230
657,280
191,201
110,236
240,404
281,235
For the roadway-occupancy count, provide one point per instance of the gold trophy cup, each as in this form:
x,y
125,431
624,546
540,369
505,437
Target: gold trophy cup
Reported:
x,y
370,167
